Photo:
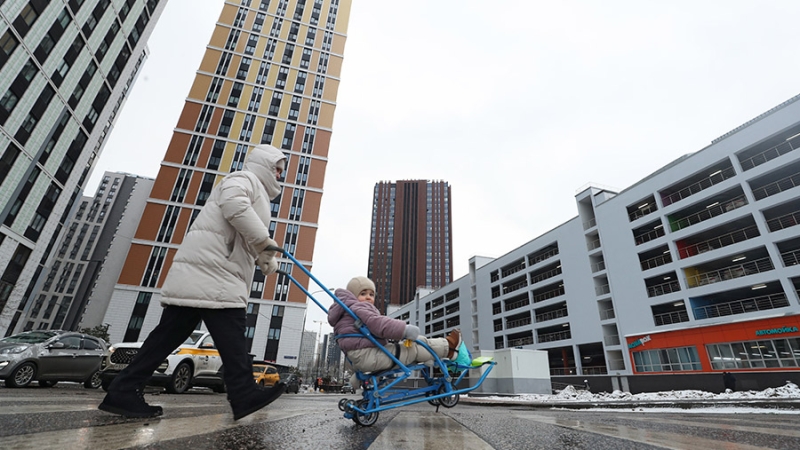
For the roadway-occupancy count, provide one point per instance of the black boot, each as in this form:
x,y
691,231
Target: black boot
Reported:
x,y
129,404
255,400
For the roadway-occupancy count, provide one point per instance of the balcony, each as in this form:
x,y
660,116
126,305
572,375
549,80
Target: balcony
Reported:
x,y
607,314
518,323
602,290
547,295
777,187
559,336
542,255
514,286
593,244
611,339
513,268
597,267
762,303
591,223
594,370
709,212
527,340
715,178
730,272
671,317
771,153
643,210
562,370
516,303
659,260
663,289
783,222
649,235
544,317
720,241
539,277
791,258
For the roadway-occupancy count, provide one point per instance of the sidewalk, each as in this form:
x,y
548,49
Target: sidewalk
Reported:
x,y
778,404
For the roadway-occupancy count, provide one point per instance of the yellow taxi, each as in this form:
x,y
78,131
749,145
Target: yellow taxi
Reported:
x,y
265,374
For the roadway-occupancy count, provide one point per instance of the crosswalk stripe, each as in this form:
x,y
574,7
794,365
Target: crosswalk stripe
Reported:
x,y
139,431
655,438
418,430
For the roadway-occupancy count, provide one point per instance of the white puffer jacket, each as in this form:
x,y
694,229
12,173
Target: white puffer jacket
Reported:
x,y
214,264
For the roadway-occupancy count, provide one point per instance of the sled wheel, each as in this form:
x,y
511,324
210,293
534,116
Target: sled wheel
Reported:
x,y
365,420
435,401
448,402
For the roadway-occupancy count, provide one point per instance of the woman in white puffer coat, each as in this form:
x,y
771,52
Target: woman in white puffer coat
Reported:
x,y
209,280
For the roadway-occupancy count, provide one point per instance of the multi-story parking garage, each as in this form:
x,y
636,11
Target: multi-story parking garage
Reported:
x,y
692,271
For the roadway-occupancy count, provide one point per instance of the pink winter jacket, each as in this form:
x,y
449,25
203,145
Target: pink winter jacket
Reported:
x,y
381,327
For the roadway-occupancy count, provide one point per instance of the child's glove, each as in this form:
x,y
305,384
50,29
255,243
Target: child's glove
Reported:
x,y
411,333
266,259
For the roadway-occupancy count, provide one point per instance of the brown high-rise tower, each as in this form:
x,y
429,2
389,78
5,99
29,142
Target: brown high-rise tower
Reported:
x,y
270,75
410,242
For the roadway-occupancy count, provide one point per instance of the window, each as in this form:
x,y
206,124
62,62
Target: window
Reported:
x,y
258,24
225,124
244,67
9,101
236,93
755,354
667,360
250,48
216,155
28,15
8,43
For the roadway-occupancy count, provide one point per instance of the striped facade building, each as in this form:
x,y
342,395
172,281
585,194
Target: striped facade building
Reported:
x,y
65,69
270,75
410,241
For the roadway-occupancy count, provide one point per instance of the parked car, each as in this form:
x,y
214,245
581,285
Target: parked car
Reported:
x,y
265,374
347,388
50,356
195,363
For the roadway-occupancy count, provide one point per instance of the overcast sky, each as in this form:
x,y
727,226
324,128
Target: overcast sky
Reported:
x,y
517,104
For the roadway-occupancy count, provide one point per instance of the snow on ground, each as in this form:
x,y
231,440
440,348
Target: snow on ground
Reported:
x,y
787,391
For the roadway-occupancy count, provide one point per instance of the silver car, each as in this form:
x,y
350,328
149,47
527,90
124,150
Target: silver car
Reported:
x,y
50,356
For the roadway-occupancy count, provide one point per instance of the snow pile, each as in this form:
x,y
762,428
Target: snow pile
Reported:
x,y
789,391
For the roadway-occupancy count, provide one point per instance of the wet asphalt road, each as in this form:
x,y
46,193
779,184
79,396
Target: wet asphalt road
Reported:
x,y
65,417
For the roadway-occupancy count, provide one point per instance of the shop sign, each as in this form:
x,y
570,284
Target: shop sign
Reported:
x,y
781,330
639,342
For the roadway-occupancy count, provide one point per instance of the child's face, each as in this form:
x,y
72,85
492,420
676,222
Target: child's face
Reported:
x,y
367,295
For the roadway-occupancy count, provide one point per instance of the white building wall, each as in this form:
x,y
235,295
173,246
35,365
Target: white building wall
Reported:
x,y
605,291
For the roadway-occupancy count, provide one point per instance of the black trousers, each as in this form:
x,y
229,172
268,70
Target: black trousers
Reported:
x,y
227,327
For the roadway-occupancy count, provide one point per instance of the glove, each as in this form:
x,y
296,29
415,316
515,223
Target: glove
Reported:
x,y
266,259
268,265
412,332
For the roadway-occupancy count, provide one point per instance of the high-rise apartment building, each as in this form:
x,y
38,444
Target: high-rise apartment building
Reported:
x,y
65,69
410,242
308,348
270,75
88,258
